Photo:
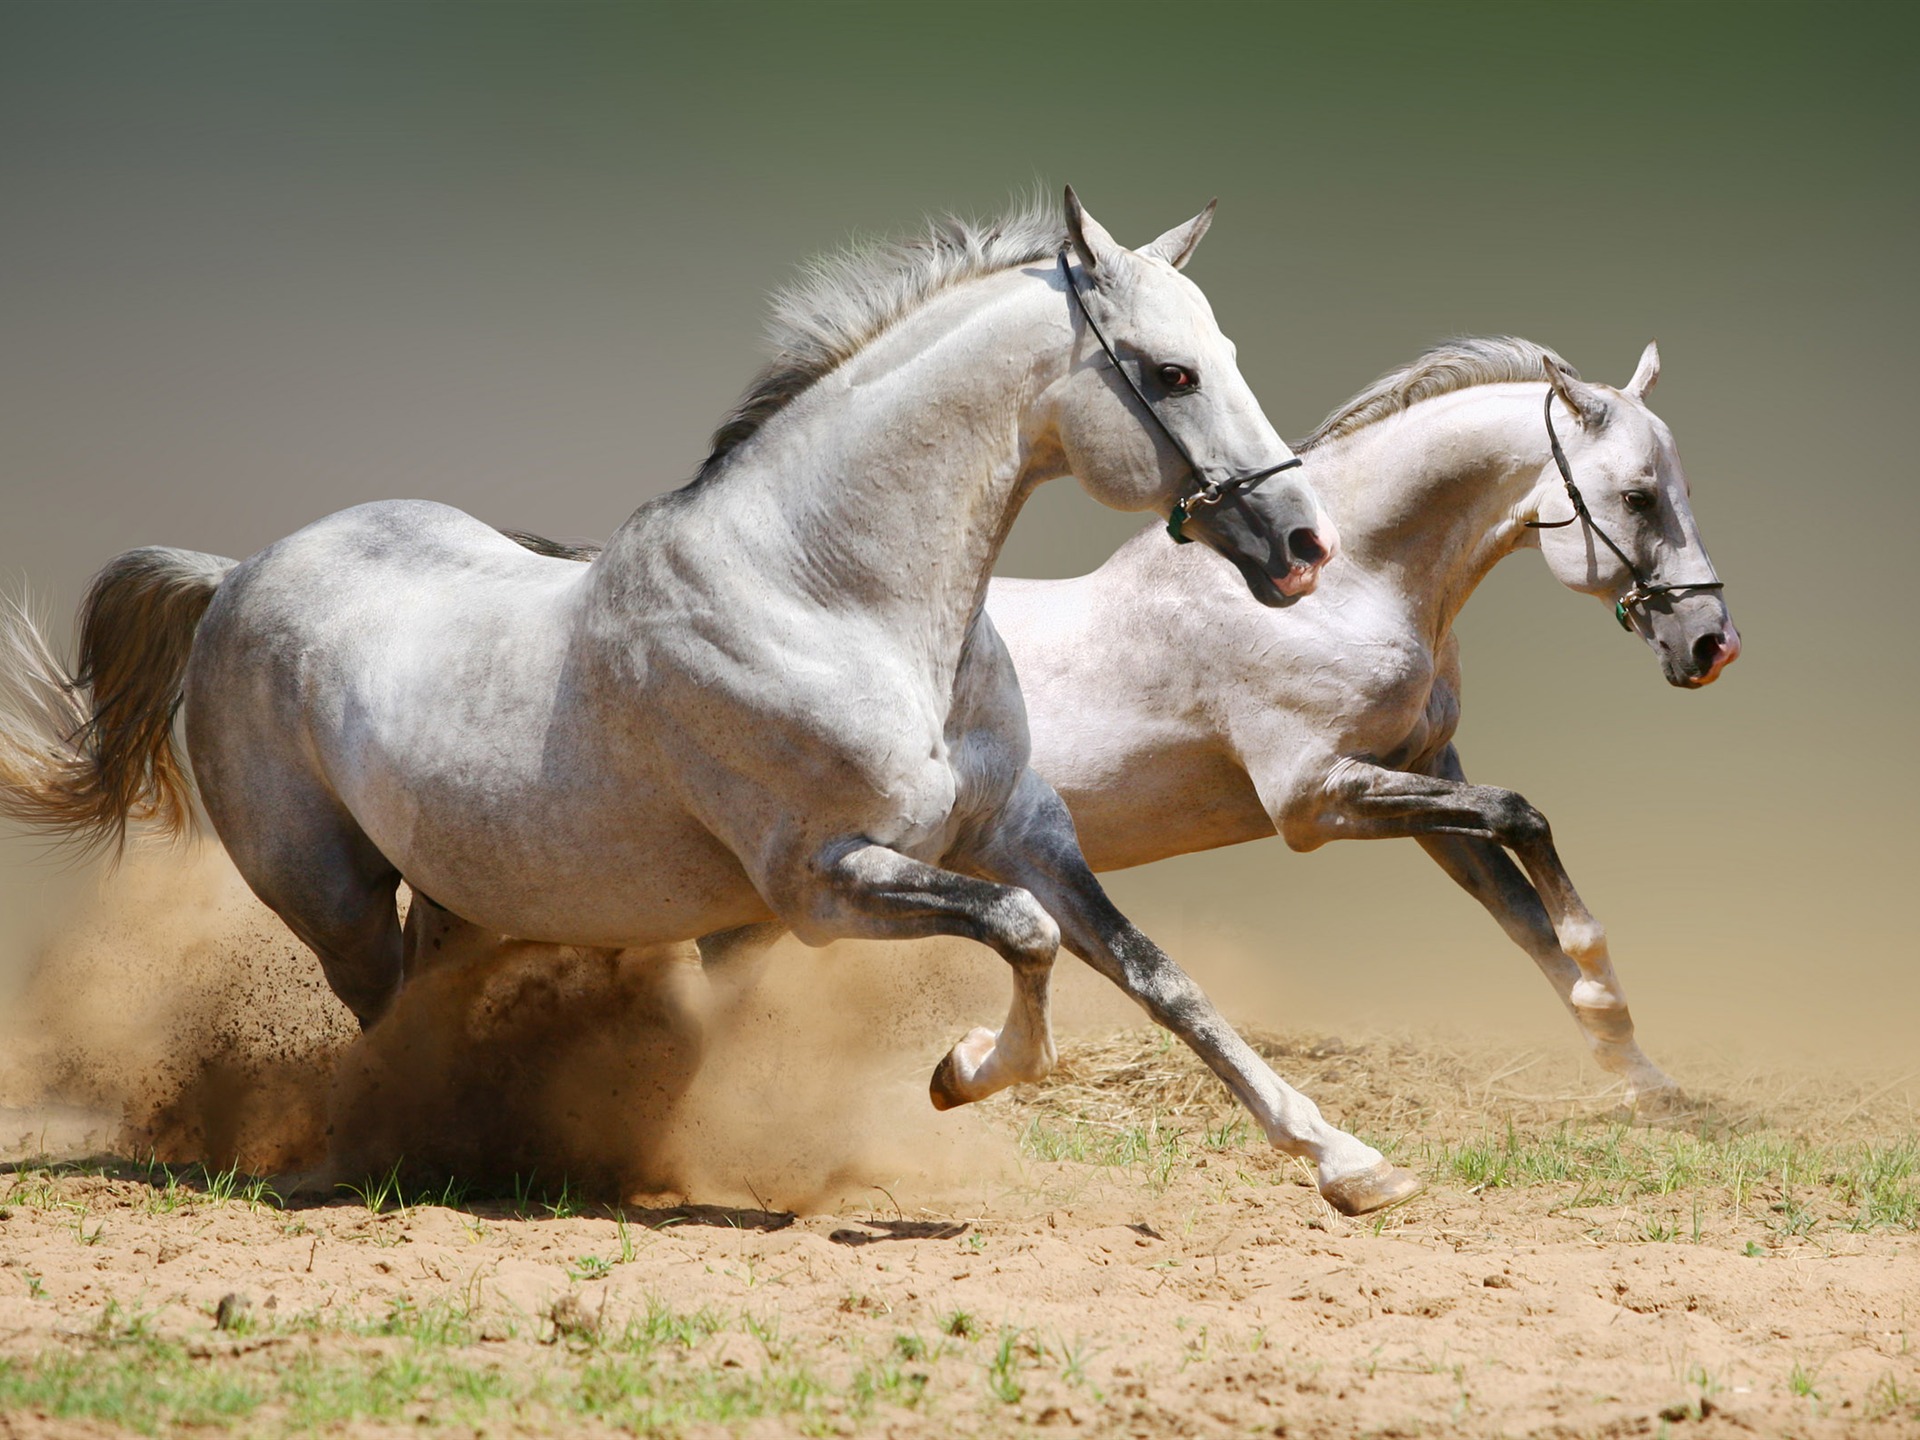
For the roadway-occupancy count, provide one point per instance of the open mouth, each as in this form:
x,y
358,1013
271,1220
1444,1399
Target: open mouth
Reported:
x,y
1309,549
1277,590
1299,580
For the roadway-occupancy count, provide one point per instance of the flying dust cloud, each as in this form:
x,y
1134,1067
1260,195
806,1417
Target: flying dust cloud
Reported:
x,y
174,1016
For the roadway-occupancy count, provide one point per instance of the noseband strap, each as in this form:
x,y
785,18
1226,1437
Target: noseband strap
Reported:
x,y
1643,589
1212,490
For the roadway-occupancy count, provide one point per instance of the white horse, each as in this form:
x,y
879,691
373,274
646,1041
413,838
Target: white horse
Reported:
x,y
1172,714
770,696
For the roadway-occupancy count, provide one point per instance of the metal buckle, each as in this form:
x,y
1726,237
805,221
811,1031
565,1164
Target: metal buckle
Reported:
x,y
1183,510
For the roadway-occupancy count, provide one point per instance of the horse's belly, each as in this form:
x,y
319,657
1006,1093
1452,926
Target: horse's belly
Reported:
x,y
1152,807
618,880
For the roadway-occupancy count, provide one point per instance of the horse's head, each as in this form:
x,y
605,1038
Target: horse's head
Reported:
x,y
1622,458
1156,415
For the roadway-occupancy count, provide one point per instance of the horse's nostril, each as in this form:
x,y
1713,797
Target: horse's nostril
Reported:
x,y
1707,649
1306,547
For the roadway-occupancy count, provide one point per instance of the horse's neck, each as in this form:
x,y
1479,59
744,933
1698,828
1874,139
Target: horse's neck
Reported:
x,y
1433,498
889,485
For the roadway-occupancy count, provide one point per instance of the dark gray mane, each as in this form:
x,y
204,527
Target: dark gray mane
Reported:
x,y
554,549
842,302
1449,366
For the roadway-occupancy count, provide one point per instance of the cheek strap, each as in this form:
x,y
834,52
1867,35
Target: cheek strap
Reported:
x,y
1211,489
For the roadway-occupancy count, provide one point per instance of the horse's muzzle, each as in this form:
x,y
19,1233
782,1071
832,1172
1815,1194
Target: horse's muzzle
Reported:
x,y
1308,551
1712,653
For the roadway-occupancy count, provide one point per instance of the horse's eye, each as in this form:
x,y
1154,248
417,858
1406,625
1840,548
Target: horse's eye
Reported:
x,y
1639,501
1178,377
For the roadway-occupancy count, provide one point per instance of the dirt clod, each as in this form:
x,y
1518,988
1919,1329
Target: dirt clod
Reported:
x,y
571,1317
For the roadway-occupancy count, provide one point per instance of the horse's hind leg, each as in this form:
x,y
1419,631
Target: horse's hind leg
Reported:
x,y
433,935
342,905
734,960
319,873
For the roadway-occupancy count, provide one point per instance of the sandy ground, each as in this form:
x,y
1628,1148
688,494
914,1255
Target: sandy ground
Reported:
x,y
1201,1289
808,1249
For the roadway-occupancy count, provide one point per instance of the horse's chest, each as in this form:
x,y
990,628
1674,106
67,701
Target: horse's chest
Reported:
x,y
1427,715
1431,729
1374,687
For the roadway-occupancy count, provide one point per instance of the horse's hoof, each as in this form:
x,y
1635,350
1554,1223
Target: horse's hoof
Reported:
x,y
1377,1188
956,1081
1660,1102
944,1088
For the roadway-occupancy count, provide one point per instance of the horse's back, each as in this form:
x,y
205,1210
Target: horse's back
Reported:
x,y
388,546
372,642
370,602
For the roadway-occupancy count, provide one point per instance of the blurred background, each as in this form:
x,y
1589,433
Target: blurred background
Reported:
x,y
262,262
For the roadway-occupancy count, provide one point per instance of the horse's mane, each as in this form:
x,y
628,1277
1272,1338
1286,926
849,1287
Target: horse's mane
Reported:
x,y
842,302
1449,366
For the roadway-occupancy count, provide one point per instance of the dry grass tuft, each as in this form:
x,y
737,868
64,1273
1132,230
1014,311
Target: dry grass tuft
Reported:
x,y
1447,1085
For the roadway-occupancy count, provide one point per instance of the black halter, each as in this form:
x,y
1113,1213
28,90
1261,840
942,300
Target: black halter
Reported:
x,y
1643,589
1211,492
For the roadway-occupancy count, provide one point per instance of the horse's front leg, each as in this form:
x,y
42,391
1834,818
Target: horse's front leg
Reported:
x,y
1488,873
1033,845
860,890
1465,827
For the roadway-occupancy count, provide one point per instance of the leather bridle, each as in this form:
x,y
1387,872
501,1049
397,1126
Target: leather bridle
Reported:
x,y
1643,589
1212,490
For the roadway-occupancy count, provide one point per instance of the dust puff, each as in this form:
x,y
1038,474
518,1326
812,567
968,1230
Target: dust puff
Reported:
x,y
814,1094
626,1076
537,1063
174,1016
180,1019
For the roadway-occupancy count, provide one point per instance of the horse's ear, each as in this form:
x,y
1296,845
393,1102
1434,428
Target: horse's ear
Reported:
x,y
1582,399
1091,242
1176,247
1647,375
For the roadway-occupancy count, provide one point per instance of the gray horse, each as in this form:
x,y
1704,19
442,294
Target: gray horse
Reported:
x,y
770,696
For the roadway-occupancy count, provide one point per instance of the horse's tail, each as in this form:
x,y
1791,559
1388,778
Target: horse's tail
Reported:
x,y
83,754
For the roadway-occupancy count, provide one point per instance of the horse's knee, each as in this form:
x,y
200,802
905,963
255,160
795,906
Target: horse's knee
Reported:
x,y
1518,824
366,985
355,933
1018,926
